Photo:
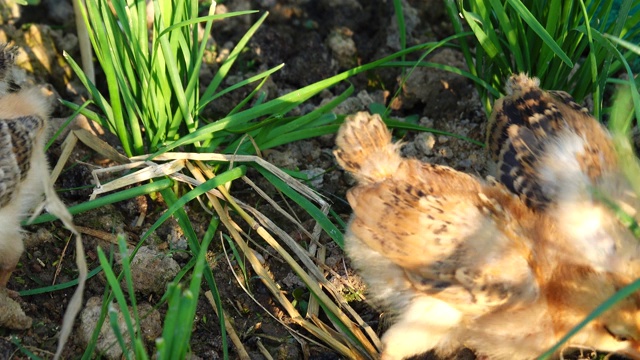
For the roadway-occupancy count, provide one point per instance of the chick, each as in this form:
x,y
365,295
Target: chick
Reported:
x,y
7,59
23,165
504,267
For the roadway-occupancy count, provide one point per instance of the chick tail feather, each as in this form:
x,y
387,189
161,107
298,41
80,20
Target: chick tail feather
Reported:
x,y
365,149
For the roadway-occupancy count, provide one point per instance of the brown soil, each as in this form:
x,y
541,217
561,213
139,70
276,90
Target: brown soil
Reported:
x,y
298,33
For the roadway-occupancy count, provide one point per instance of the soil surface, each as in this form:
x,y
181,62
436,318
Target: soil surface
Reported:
x,y
315,39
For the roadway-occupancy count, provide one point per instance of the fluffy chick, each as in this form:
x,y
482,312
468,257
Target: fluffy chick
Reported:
x,y
23,165
501,268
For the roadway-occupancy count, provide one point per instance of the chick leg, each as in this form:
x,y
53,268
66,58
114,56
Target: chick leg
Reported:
x,y
5,274
11,248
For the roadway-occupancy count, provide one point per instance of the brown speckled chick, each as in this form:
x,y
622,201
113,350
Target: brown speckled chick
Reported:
x,y
503,267
23,166
25,185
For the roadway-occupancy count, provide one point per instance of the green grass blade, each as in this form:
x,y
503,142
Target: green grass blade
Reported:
x,y
528,17
126,270
183,220
109,199
303,134
107,62
402,28
66,123
97,97
603,40
597,96
113,321
209,92
56,287
262,75
207,18
307,205
601,309
117,292
285,103
171,68
282,129
509,32
490,47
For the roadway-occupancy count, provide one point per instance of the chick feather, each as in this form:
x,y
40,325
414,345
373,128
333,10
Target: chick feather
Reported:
x,y
504,266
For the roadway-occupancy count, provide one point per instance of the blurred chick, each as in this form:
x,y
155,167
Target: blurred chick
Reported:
x,y
504,267
23,166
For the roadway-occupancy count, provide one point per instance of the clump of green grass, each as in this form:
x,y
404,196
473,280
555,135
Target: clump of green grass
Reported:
x,y
563,43
153,103
152,80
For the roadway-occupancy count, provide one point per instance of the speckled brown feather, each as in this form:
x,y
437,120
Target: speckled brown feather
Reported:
x,y
525,122
403,207
23,167
24,131
18,130
507,268
25,183
7,60
17,137
356,147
